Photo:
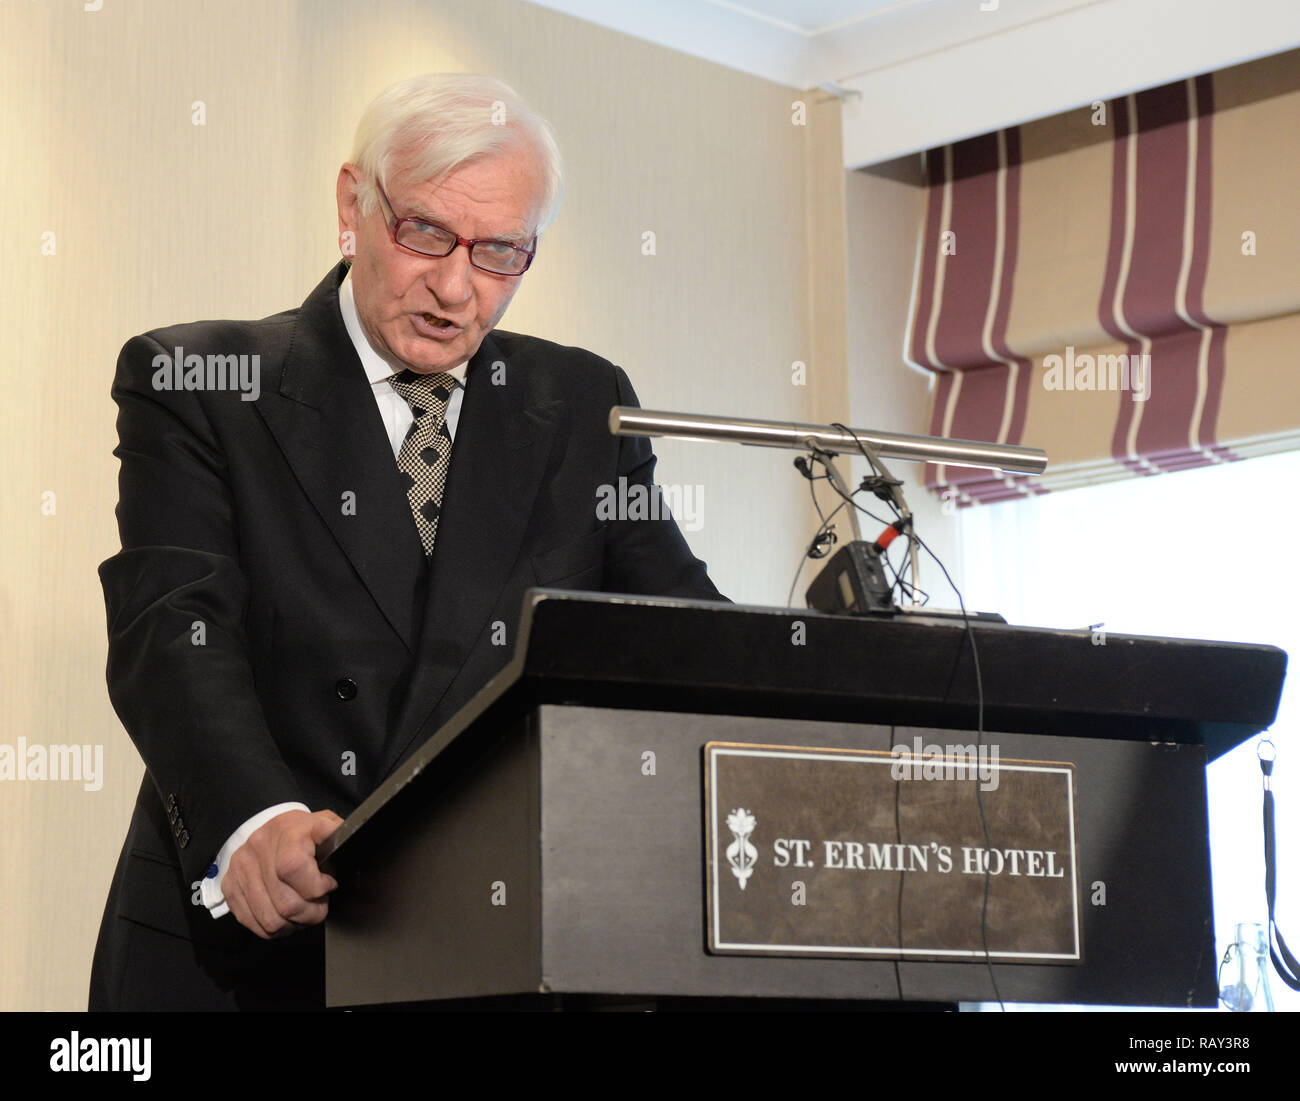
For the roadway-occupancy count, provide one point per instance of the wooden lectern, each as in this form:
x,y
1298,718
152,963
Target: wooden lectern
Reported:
x,y
546,847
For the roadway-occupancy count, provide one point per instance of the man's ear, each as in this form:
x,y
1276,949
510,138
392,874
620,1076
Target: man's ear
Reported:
x,y
349,204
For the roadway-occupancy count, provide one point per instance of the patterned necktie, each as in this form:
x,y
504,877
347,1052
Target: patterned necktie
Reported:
x,y
426,452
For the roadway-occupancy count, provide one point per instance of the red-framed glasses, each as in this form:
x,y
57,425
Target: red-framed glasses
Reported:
x,y
430,239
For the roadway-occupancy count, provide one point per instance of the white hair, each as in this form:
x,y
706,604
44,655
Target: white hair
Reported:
x,y
437,122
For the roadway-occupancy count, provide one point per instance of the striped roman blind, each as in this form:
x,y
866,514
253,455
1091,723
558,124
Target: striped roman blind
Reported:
x,y
1119,285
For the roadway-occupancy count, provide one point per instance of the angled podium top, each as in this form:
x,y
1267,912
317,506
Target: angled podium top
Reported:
x,y
611,650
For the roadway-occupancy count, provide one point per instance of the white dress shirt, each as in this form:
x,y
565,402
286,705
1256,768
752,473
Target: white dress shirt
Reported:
x,y
397,418
392,406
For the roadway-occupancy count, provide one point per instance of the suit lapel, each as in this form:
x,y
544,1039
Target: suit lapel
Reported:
x,y
503,440
322,413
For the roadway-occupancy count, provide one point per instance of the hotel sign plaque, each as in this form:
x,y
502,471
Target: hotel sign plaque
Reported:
x,y
855,853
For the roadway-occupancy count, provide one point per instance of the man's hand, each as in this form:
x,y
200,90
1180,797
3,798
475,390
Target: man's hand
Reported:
x,y
273,885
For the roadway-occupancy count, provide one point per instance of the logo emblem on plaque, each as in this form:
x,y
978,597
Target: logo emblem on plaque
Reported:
x,y
741,855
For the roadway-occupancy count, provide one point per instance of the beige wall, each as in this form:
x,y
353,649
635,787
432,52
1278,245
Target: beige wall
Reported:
x,y
157,220
885,210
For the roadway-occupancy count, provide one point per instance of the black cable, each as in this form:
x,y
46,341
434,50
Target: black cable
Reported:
x,y
881,479
812,491
898,920
979,787
1284,963
903,588
979,690
825,526
818,457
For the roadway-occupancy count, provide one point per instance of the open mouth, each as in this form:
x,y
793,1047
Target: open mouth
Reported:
x,y
437,322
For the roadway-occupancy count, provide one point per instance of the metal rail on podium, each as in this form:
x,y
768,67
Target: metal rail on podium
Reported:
x,y
665,803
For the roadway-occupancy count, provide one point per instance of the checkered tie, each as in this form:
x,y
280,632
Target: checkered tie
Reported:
x,y
426,452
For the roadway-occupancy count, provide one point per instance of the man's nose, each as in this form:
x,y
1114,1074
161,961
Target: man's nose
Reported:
x,y
450,276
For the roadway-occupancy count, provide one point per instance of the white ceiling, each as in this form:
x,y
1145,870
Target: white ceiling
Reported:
x,y
811,16
806,43
926,72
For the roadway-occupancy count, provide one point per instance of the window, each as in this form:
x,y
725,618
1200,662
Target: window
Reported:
x,y
1208,553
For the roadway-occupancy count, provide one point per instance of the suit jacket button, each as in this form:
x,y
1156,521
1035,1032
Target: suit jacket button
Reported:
x,y
346,688
183,839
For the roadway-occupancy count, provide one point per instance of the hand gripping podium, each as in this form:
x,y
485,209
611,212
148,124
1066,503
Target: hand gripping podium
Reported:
x,y
596,827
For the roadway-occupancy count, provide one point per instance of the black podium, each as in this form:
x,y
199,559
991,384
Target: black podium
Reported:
x,y
526,854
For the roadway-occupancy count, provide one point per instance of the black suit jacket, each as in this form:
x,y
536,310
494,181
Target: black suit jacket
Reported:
x,y
275,630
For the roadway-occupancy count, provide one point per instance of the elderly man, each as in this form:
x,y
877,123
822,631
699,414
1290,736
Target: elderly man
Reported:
x,y
319,569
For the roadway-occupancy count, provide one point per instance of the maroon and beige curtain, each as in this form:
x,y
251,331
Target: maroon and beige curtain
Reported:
x,y
1119,285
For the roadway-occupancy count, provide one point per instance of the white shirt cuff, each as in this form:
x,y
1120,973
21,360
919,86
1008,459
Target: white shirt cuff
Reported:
x,y
210,887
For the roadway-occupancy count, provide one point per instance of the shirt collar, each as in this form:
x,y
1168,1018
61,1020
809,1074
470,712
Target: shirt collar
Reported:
x,y
376,368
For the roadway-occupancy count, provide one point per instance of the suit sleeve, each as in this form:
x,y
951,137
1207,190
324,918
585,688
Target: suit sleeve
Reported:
x,y
649,555
179,672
